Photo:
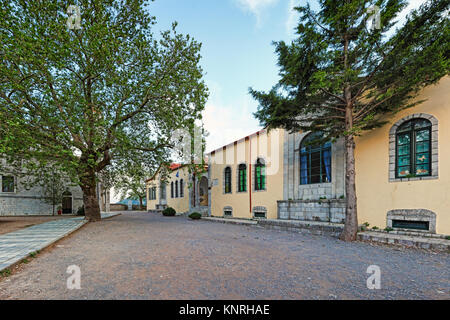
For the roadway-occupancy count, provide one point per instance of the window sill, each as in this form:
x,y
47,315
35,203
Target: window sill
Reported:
x,y
413,179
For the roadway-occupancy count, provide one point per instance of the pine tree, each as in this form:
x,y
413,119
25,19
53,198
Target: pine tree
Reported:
x,y
342,77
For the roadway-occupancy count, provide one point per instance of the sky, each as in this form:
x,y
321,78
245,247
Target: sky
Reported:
x,y
237,53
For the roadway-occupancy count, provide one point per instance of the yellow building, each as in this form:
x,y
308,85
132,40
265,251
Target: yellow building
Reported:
x,y
402,173
180,190
403,168
247,176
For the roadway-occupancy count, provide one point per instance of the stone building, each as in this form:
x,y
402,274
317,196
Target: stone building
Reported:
x,y
18,199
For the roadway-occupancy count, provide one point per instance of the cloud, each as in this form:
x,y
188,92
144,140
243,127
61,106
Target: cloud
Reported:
x,y
226,123
256,7
291,21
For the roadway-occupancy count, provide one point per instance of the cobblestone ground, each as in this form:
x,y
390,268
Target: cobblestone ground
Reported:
x,y
148,256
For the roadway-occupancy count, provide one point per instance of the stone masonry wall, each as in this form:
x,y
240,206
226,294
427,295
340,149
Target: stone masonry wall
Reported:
x,y
312,210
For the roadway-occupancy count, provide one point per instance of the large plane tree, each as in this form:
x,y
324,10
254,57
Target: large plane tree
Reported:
x,y
341,76
83,87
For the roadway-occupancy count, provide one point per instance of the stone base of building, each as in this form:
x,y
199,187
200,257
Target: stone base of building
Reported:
x,y
325,210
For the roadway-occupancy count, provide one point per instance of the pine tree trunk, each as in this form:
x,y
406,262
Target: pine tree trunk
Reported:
x,y
90,200
351,219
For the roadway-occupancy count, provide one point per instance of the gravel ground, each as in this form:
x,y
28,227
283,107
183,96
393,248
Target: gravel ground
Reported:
x,y
147,256
14,223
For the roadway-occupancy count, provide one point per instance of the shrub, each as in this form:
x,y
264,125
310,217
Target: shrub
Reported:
x,y
169,212
195,216
80,211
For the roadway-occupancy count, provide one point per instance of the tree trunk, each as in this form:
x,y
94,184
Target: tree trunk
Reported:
x,y
351,219
90,201
141,206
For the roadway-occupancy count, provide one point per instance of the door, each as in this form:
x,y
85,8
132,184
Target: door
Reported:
x,y
67,203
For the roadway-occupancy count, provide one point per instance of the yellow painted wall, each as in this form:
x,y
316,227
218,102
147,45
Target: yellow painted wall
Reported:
x,y
376,195
180,204
270,148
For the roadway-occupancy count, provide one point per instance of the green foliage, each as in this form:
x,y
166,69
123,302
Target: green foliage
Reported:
x,y
169,212
336,63
33,254
388,229
5,272
340,78
80,211
195,216
108,94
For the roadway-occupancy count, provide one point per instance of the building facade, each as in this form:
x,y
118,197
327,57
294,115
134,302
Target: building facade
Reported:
x,y
402,173
16,199
181,190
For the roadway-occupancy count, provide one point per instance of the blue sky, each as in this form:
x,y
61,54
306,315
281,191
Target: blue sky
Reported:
x,y
237,54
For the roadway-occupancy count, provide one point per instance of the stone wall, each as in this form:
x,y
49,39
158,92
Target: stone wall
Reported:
x,y
312,210
30,201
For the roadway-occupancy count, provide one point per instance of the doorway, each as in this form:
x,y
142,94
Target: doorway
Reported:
x,y
67,203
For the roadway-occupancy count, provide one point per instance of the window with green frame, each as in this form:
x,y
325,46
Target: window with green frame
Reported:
x,y
260,175
227,180
413,148
242,183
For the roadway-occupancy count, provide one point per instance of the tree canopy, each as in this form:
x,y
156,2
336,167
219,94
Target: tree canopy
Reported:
x,y
110,91
341,77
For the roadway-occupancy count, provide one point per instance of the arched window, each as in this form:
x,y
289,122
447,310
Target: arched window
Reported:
x,y
176,189
227,180
315,160
413,151
181,188
171,189
242,178
260,175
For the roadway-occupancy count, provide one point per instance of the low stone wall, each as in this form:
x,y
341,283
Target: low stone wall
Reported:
x,y
312,210
118,207
316,228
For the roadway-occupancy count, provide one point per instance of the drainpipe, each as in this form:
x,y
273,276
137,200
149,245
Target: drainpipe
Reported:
x,y
250,175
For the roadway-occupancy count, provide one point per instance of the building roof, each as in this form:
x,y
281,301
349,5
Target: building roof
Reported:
x,y
238,140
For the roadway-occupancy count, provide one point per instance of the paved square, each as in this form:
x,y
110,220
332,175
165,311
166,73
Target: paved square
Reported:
x,y
147,256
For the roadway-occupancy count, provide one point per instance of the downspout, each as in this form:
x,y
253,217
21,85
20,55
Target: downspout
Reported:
x,y
250,175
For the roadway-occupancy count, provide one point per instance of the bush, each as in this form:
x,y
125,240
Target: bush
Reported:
x,y
80,211
195,216
169,212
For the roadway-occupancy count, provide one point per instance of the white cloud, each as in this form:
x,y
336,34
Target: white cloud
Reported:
x,y
255,7
227,123
412,4
293,15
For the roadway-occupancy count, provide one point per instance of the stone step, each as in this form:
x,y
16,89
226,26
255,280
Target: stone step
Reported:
x,y
231,220
408,241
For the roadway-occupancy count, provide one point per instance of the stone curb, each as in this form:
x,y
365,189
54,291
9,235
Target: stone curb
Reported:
x,y
408,241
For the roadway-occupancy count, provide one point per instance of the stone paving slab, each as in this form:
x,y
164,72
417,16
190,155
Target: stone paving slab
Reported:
x,y
17,245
